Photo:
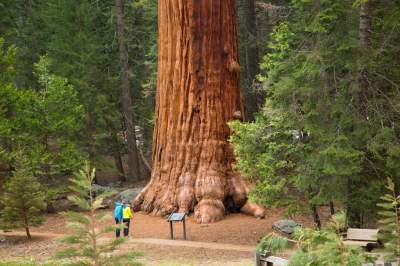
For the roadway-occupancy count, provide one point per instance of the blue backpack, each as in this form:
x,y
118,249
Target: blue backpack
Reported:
x,y
118,211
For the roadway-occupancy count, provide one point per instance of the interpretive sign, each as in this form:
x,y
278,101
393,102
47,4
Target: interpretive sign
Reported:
x,y
176,217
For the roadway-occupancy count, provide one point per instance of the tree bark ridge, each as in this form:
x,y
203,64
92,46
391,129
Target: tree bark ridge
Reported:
x,y
197,94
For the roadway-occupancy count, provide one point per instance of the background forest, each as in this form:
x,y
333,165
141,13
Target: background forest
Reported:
x,y
320,81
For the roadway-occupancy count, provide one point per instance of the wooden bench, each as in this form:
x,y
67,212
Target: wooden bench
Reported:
x,y
381,264
261,260
362,237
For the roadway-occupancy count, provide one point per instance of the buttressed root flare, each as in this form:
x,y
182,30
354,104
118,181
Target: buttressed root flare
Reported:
x,y
209,199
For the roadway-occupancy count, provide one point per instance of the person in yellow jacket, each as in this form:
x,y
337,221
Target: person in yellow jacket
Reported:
x,y
126,217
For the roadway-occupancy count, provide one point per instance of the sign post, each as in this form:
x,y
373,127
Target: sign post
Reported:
x,y
176,217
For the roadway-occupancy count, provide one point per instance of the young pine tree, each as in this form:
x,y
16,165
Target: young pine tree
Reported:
x,y
87,231
390,221
23,199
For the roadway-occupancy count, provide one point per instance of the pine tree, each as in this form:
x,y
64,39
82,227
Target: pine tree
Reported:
x,y
84,46
390,221
23,199
79,38
127,100
87,231
7,101
46,123
323,132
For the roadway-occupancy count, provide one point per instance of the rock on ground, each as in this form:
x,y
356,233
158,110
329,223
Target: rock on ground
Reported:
x,y
129,194
285,226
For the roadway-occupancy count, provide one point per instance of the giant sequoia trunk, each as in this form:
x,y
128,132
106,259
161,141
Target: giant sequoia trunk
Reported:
x,y
197,94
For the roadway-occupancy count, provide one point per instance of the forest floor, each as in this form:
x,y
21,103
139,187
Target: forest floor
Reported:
x,y
227,242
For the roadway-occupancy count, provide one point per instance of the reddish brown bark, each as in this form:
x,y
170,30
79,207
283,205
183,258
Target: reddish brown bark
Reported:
x,y
197,94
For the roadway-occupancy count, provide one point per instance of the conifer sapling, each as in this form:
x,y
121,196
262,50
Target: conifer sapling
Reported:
x,y
87,228
23,199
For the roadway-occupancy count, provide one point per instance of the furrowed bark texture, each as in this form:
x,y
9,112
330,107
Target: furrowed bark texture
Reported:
x,y
197,94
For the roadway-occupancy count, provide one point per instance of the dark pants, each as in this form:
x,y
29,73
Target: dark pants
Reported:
x,y
117,229
126,226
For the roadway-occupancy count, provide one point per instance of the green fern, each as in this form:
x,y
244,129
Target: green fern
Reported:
x,y
390,221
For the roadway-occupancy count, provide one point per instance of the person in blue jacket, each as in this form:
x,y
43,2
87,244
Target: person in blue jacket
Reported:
x,y
118,217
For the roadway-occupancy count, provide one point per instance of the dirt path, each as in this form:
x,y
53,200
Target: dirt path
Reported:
x,y
235,229
151,241
193,244
227,242
35,235
160,252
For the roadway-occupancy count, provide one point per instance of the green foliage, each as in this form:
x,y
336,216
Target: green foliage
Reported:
x,y
128,259
319,247
87,232
7,73
23,199
7,57
14,263
262,159
326,247
272,243
74,43
46,124
122,259
389,232
322,138
89,59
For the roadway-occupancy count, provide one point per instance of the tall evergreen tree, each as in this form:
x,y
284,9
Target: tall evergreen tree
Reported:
x,y
249,56
45,123
79,38
127,106
328,128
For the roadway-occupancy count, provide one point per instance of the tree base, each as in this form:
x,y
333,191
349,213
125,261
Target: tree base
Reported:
x,y
198,93
209,198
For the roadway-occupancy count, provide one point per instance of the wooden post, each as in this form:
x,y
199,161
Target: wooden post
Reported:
x,y
184,229
171,230
257,261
